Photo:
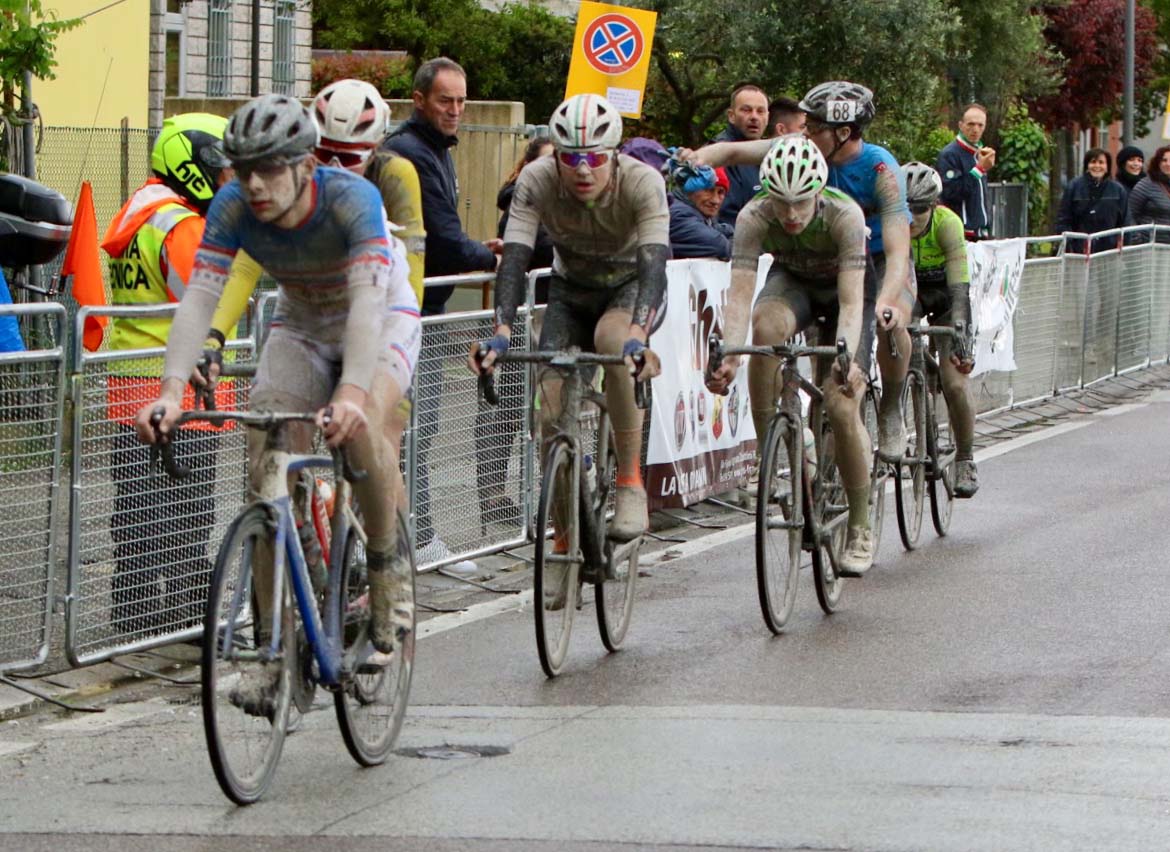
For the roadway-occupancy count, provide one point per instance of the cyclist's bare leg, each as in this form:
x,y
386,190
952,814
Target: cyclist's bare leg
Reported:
x,y
772,322
630,516
853,456
893,372
960,411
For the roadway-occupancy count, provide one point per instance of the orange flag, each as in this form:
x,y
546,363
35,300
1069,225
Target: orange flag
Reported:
x,y
83,263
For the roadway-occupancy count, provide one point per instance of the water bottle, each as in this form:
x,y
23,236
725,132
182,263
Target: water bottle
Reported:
x,y
590,473
810,452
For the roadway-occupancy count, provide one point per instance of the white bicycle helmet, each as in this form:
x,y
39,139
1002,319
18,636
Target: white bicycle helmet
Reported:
x,y
794,169
923,185
839,102
352,112
586,123
270,126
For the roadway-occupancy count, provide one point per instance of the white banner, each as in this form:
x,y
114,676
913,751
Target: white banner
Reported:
x,y
996,267
700,443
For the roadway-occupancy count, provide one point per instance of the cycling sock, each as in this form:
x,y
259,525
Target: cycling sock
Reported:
x,y
858,506
627,481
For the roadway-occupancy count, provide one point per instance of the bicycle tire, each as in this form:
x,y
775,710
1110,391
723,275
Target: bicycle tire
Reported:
x,y
555,586
244,747
827,504
942,477
371,703
778,548
614,595
878,475
910,476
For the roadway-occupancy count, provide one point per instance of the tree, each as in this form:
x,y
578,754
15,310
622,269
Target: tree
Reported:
x,y
1090,37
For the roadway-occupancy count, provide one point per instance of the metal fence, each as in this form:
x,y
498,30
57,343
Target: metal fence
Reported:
x,y
140,548
31,414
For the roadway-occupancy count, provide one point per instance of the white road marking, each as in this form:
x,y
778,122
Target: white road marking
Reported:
x,y
1113,411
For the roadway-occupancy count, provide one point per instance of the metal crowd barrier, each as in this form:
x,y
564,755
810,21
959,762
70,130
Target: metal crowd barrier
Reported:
x,y
141,546
31,413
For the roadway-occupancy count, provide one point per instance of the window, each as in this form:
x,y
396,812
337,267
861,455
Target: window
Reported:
x,y
175,56
284,76
219,51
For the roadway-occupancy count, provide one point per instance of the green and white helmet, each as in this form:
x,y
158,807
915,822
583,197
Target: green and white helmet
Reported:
x,y
586,123
188,157
794,169
923,185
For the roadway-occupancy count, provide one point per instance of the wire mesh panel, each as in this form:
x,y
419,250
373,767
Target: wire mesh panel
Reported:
x,y
1071,326
1100,321
468,486
1159,281
141,544
1134,301
31,397
1036,326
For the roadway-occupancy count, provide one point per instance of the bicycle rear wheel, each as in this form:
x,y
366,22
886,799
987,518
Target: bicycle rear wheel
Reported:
x,y
910,474
828,524
942,476
878,470
244,738
779,522
555,587
614,596
371,702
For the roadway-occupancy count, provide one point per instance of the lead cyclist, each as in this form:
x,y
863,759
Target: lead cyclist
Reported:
x,y
345,334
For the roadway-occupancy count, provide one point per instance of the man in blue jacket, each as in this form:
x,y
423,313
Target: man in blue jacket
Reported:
x,y
963,165
426,139
746,119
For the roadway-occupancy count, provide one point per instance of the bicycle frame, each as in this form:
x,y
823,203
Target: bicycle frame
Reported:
x,y
924,365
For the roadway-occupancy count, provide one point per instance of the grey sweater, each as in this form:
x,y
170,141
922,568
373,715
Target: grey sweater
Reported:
x,y
1149,202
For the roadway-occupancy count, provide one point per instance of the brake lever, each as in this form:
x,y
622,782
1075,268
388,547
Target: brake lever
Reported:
x,y
887,315
163,450
486,381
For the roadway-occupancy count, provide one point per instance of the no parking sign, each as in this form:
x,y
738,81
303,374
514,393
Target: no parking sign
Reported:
x,y
611,55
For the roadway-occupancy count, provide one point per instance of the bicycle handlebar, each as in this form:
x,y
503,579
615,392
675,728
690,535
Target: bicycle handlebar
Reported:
x,y
716,352
957,332
163,450
205,394
565,360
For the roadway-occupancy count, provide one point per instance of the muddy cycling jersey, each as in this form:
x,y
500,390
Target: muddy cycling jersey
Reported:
x,y
595,244
940,252
834,239
341,276
874,181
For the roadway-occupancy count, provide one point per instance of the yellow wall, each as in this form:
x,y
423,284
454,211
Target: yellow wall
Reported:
x,y
85,73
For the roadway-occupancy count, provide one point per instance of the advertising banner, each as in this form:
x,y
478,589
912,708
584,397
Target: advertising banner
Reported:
x,y
996,267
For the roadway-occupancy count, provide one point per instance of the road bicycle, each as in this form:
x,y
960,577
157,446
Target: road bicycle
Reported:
x,y
929,461
800,502
577,489
316,633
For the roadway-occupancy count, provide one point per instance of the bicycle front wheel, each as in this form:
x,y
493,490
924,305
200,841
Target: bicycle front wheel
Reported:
x,y
614,595
371,702
942,465
828,524
779,522
245,697
910,475
555,586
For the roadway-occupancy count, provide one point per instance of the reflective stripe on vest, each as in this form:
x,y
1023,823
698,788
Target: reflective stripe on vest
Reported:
x,y
136,278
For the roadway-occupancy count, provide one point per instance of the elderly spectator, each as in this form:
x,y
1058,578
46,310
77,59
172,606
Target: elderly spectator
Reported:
x,y
1093,202
1149,203
963,165
695,230
1131,166
426,139
785,116
747,118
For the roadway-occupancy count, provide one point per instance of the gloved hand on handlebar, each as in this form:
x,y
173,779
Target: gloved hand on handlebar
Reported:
x,y
644,364
484,354
963,348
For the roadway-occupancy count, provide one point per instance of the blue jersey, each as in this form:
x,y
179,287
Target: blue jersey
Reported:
x,y
874,180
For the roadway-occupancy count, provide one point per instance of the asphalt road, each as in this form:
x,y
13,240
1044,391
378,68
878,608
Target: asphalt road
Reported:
x,y
1004,688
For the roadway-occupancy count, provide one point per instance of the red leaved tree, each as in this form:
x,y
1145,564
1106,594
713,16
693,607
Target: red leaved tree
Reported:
x,y
1090,37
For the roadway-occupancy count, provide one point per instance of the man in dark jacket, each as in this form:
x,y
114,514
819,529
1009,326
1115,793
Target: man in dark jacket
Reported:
x,y
963,165
746,119
694,229
426,139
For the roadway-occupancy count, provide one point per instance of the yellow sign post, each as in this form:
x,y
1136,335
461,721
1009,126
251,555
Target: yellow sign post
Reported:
x,y
1166,120
611,55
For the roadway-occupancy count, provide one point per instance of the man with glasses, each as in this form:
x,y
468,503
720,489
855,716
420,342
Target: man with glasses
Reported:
x,y
607,216
344,338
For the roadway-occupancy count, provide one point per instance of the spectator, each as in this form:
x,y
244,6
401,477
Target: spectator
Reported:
x,y
1149,202
963,165
10,339
496,426
695,230
746,119
1131,166
1091,203
785,116
426,139
646,150
161,529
